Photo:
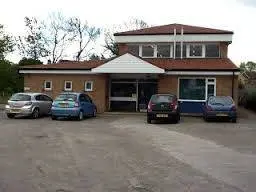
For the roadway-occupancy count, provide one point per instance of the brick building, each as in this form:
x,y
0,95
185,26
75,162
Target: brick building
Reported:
x,y
188,61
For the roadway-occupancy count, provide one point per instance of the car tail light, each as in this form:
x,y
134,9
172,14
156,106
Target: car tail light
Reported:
x,y
76,104
208,108
150,106
174,104
233,108
28,103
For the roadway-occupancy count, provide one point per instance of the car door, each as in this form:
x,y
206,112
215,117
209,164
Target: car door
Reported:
x,y
40,104
91,105
47,104
84,104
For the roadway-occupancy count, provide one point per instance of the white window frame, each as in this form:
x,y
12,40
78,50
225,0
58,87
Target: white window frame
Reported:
x,y
45,88
188,50
68,89
206,88
85,83
154,53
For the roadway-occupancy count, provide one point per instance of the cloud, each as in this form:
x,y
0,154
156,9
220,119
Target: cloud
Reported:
x,y
249,2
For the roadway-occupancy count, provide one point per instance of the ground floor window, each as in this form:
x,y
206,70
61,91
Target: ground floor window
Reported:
x,y
88,86
47,85
196,89
68,86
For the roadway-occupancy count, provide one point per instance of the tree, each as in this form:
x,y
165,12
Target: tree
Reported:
x,y
56,36
249,66
96,57
132,24
83,34
29,61
6,43
33,45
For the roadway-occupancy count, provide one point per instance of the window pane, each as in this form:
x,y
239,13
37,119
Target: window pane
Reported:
x,y
210,90
147,51
133,49
212,50
196,50
68,85
123,89
88,85
192,89
47,84
178,51
163,50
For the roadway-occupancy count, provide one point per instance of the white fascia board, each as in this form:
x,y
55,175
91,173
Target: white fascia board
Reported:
x,y
171,38
28,71
201,73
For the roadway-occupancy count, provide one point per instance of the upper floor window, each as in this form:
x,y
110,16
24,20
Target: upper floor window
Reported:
x,y
195,50
148,51
178,51
164,51
133,49
212,50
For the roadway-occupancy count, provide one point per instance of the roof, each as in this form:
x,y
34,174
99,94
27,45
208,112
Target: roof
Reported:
x,y
218,64
84,65
169,29
214,64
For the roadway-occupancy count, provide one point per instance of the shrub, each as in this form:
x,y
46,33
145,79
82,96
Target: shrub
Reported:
x,y
250,99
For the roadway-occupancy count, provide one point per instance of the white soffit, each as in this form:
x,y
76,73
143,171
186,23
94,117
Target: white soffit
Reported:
x,y
201,73
128,63
172,38
43,71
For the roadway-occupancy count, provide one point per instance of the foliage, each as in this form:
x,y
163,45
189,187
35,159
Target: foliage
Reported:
x,y
83,34
6,43
250,101
28,61
96,57
249,66
33,45
132,24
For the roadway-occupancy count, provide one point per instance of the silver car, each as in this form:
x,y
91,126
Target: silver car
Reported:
x,y
28,104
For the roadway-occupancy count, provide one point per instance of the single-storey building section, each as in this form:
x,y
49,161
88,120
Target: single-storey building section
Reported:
x,y
150,62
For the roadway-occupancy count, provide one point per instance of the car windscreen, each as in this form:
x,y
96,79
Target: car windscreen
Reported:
x,y
220,101
162,98
20,97
66,97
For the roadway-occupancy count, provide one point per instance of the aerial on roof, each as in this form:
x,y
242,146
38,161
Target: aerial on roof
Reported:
x,y
169,29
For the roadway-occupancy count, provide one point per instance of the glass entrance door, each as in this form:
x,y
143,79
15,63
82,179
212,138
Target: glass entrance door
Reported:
x,y
145,91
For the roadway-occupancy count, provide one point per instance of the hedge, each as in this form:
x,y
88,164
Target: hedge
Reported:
x,y
250,99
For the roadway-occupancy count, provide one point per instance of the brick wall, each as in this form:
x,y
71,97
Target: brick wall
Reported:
x,y
122,48
168,84
223,49
99,94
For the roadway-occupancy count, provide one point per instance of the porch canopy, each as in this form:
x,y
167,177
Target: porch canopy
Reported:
x,y
128,63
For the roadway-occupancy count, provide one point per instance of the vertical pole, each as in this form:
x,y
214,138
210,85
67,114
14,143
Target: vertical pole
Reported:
x,y
181,43
233,80
109,93
137,94
174,43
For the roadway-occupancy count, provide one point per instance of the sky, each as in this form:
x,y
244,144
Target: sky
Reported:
x,y
236,15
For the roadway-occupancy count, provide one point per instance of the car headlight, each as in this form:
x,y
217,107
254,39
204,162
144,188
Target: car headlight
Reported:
x,y
7,106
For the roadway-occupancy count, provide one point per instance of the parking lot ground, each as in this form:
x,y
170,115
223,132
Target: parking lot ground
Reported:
x,y
123,153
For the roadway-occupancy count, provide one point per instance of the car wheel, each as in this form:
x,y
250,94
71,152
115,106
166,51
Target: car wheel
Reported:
x,y
94,112
54,117
177,119
80,116
35,113
233,120
10,115
149,120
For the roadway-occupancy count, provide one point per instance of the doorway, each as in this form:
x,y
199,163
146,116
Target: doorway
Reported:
x,y
145,91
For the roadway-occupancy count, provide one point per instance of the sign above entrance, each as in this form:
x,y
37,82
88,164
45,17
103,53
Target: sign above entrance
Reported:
x,y
128,63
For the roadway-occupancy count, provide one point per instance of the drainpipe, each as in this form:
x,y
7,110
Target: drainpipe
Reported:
x,y
233,79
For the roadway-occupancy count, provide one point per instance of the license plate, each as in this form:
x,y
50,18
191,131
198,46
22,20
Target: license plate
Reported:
x,y
162,115
63,105
15,110
221,115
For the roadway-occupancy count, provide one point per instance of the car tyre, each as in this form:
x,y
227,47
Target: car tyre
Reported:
x,y
35,113
177,119
94,112
10,115
80,116
149,120
234,120
54,117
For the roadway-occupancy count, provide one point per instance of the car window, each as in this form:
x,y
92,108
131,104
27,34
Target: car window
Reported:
x,y
20,97
220,101
88,98
39,98
66,97
46,98
82,98
162,98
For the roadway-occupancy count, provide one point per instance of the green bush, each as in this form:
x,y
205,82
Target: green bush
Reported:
x,y
250,101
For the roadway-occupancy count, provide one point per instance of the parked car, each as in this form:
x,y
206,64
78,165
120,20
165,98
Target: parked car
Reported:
x,y
220,107
28,104
71,104
163,106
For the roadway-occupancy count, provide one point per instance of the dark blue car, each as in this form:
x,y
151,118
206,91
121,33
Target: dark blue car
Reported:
x,y
220,107
71,104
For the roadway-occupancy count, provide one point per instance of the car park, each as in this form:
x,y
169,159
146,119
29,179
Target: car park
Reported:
x,y
163,106
217,107
73,105
28,104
